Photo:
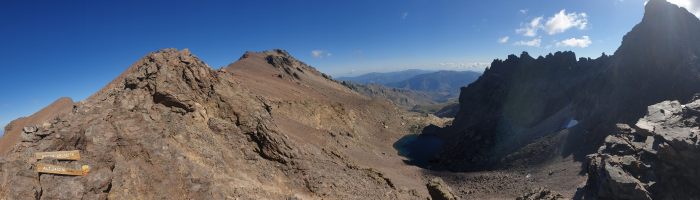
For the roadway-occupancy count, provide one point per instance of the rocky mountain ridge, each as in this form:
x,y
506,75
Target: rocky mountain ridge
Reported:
x,y
266,127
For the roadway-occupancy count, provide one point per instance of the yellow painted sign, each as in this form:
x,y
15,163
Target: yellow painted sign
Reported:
x,y
55,169
58,155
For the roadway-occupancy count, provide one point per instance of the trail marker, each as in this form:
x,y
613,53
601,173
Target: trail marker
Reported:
x,y
55,169
58,155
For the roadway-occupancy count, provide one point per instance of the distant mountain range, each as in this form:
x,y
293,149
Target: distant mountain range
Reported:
x,y
384,78
401,97
417,90
443,85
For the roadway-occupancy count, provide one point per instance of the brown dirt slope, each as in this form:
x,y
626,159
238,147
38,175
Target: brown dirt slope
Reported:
x,y
14,129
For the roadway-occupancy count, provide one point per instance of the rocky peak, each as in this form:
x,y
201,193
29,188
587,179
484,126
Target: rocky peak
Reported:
x,y
175,79
667,32
656,10
282,62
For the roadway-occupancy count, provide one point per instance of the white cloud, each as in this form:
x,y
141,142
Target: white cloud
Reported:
x,y
523,11
563,21
558,23
474,66
532,43
404,15
582,42
691,5
530,29
503,40
320,53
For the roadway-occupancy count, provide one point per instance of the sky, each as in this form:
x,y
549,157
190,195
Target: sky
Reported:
x,y
51,49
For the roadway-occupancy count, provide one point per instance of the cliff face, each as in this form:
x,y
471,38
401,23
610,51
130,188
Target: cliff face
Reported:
x,y
521,100
266,127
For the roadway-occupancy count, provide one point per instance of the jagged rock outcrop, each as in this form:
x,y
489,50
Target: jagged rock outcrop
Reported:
x,y
523,100
654,159
170,127
514,102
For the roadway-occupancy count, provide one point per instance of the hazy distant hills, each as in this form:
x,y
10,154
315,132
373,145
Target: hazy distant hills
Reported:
x,y
385,77
418,90
401,97
442,84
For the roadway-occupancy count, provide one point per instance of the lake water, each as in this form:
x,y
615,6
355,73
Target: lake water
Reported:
x,y
419,149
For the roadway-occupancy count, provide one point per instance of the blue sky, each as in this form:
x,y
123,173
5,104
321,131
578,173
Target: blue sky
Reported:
x,y
51,49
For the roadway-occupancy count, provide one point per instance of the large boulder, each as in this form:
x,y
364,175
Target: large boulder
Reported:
x,y
654,159
541,194
439,190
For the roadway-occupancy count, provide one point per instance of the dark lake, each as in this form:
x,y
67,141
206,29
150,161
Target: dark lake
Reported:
x,y
417,148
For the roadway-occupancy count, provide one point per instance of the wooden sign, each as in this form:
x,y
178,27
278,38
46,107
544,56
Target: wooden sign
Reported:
x,y
55,169
58,155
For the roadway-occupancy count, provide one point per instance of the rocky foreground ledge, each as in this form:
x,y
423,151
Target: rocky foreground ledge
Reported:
x,y
657,158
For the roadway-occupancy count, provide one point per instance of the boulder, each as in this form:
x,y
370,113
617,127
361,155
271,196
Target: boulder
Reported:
x,y
439,190
541,194
30,129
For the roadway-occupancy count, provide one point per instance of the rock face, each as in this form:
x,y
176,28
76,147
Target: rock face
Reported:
x,y
523,100
657,158
266,127
439,190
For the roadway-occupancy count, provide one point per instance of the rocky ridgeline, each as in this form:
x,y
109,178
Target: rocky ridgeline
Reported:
x,y
657,158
